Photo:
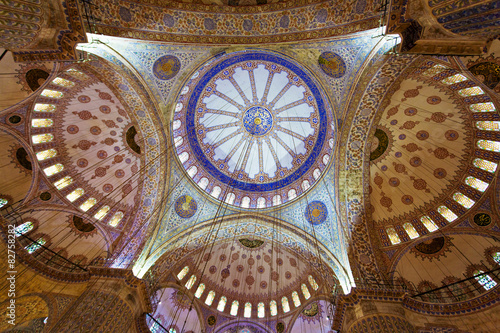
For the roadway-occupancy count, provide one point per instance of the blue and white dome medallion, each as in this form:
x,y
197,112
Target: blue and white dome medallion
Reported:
x,y
253,129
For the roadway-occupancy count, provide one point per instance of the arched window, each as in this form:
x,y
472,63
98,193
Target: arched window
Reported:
x,y
230,198
273,307
295,299
183,273
3,202
52,93
488,125
216,192
434,70
77,74
483,107
454,79
222,303
75,194
44,107
203,183
292,194
261,311
46,154
210,298
52,170
24,228
199,290
476,183
42,122
190,282
89,203
192,171
489,145
63,82
154,328
176,124
312,282
245,202
178,141
248,310
285,305
485,165
183,157
484,280
115,220
472,91
305,185
261,202
277,200
393,236
63,182
410,230
463,200
42,138
234,308
428,223
305,291
496,257
447,213
102,212
36,245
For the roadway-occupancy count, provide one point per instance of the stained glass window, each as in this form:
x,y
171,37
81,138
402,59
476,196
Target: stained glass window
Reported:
x,y
42,138
485,280
410,230
277,200
44,107
454,79
428,223
312,282
496,257
434,70
102,212
273,308
115,220
154,328
176,124
52,93
76,73
482,107
75,194
63,82
183,273
305,185
183,157
210,298
172,330
52,170
222,303
316,173
489,145
295,299
393,236
447,213
261,311
43,155
472,91
248,310
89,203
292,194
305,291
24,228
476,183
36,245
190,282
63,182
261,202
199,290
488,125
463,200
326,159
485,165
3,202
178,141
42,122
284,303
234,308
192,171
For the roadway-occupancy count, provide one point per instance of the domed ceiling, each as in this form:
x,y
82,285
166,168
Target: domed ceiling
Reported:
x,y
253,129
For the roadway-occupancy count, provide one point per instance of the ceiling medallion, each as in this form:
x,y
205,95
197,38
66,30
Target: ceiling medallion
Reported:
x,y
253,129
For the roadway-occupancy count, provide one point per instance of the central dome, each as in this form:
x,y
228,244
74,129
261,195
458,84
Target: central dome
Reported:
x,y
255,127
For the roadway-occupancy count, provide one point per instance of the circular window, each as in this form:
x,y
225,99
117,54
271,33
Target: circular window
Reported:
x,y
253,129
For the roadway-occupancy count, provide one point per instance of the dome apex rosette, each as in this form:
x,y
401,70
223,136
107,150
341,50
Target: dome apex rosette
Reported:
x,y
253,129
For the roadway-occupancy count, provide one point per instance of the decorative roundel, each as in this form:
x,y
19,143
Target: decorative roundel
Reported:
x,y
332,64
253,129
185,206
316,212
166,67
482,219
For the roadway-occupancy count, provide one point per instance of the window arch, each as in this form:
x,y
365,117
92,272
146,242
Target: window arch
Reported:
x,y
234,308
248,310
36,245
429,224
296,299
312,282
393,236
210,298
485,165
222,303
24,228
285,304
447,213
484,280
496,257
4,202
273,308
305,291
199,290
476,183
489,145
410,230
261,311
463,200
183,273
